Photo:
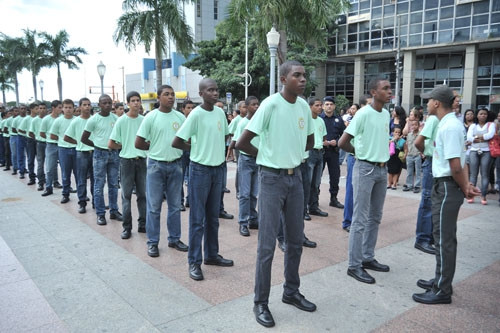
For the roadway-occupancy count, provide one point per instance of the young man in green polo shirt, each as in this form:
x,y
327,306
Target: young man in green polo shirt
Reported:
x,y
51,150
284,125
206,126
13,139
132,163
73,135
21,140
30,142
106,161
66,150
164,175
6,136
34,133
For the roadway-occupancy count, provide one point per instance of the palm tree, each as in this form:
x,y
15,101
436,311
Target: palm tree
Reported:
x,y
59,53
147,21
12,59
5,85
36,54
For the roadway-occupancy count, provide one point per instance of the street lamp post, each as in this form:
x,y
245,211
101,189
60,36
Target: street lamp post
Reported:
x,y
101,70
246,60
273,39
41,84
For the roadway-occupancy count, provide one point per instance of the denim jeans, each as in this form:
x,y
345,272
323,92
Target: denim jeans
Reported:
x,y
83,169
249,189
13,152
185,173
480,163
40,161
106,164
67,159
315,164
424,216
224,184
164,179
51,156
2,149
21,154
8,159
414,168
342,156
31,151
348,202
133,174
205,187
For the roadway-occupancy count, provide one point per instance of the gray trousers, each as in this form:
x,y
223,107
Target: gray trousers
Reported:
x,y
279,193
369,188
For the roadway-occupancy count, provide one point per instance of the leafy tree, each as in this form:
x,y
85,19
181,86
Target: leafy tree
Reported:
x,y
341,102
5,85
36,54
12,59
59,53
148,21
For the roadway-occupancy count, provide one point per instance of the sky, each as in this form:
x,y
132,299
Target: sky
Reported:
x,y
91,25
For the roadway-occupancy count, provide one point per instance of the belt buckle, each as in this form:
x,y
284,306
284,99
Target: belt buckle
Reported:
x,y
290,171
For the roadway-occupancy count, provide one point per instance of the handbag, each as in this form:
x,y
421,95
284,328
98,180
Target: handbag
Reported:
x,y
494,145
401,156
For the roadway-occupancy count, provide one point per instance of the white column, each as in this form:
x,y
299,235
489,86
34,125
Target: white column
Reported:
x,y
470,78
409,67
359,78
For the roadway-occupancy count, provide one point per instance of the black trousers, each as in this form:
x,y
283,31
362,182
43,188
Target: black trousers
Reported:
x,y
331,158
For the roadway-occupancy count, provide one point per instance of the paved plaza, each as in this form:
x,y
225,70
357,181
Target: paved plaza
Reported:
x,y
61,272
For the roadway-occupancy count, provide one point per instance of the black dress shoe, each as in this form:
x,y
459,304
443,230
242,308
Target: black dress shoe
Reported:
x,y
32,182
40,187
21,176
226,190
335,203
219,261
47,192
183,209
101,220
14,172
348,228
82,210
141,229
263,315
57,185
244,231
307,217
64,200
425,284
71,190
225,215
195,272
6,169
299,301
308,243
186,204
374,265
126,234
116,216
179,246
282,246
153,250
430,297
253,226
425,247
318,212
361,275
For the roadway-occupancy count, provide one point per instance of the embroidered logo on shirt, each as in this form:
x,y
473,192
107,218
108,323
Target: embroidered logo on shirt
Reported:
x,y
301,123
175,126
219,125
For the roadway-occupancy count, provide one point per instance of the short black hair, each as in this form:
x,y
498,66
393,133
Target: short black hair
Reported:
x,y
133,94
286,67
55,103
313,100
83,99
249,99
186,103
33,105
373,84
160,90
68,101
364,99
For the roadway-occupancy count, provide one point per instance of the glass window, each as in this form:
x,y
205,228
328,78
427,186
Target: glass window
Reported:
x,y
349,69
352,47
352,28
481,7
364,36
216,9
429,75
496,71
388,22
495,30
198,8
415,40
456,60
462,22
496,5
441,74
431,15
416,17
402,8
485,59
364,26
415,28
352,38
446,24
389,10
416,5
371,68
353,9
429,84
376,12
403,19
445,36
429,62
480,31
446,13
430,26
484,71
461,34
364,46
418,84
429,4
376,3
455,84
479,19
442,61
456,73
483,83
430,38
496,58
463,10
447,2
375,34
375,44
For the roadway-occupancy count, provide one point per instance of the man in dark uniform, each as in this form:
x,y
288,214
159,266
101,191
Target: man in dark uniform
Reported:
x,y
334,129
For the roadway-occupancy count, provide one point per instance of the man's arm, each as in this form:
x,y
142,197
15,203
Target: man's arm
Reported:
x,y
181,144
140,143
70,140
32,135
112,144
43,135
460,175
244,144
86,139
345,143
420,143
310,142
54,137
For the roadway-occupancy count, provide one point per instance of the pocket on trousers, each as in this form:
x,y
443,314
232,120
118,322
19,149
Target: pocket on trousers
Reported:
x,y
268,178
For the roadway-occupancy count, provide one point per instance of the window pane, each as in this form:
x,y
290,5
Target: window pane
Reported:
x,y
446,13
417,5
445,36
416,17
429,4
415,28
445,24
431,15
389,10
415,40
479,19
480,31
402,8
481,7
430,26
462,22
485,59
447,2
442,61
462,34
484,71
430,38
462,10
495,30
376,12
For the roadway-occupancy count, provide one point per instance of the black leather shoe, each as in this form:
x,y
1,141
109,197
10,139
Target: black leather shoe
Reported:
x,y
183,209
299,301
195,272
226,190
361,275
219,261
225,215
6,169
348,228
141,229
244,231
425,284
64,200
82,210
429,297
14,172
335,203
186,205
254,226
40,187
263,315
425,247
57,185
282,246
116,216
126,234
307,217
318,212
308,243
153,250
374,265
71,190
47,192
179,246
31,182
21,176
101,220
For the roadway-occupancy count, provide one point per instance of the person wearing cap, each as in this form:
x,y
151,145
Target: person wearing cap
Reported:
x,y
369,130
450,187
334,128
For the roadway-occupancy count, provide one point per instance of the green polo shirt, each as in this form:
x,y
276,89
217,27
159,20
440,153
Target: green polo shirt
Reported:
x,y
75,131
125,132
100,127
2,126
319,132
283,128
58,128
370,129
25,125
450,141
207,131
239,130
16,123
429,132
234,124
47,122
36,124
8,124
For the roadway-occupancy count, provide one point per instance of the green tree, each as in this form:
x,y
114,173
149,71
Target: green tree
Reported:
x,y
148,22
6,84
12,59
36,55
59,53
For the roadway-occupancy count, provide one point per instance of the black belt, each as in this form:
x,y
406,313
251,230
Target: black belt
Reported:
x,y
52,143
320,150
166,162
287,172
379,164
443,179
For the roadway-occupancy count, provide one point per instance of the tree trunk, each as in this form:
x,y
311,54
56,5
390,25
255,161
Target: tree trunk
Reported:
x,y
4,100
158,57
59,82
16,85
34,86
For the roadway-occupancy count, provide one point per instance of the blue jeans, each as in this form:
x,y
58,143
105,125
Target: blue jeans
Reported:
x,y
67,159
424,216
348,204
40,161
205,187
133,174
249,189
185,173
480,163
21,154
342,156
2,149
224,184
51,155
31,150
315,164
164,179
83,169
13,152
414,168
106,164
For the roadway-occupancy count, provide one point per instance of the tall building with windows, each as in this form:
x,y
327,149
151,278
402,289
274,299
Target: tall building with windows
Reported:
x,y
456,42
